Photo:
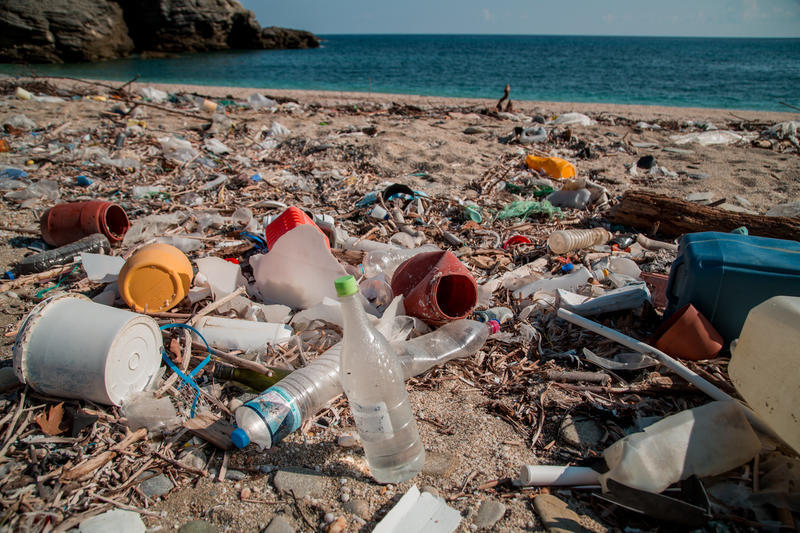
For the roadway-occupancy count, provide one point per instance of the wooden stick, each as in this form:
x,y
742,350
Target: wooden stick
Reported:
x,y
128,507
87,468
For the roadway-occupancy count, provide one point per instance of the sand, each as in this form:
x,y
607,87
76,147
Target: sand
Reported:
x,y
423,144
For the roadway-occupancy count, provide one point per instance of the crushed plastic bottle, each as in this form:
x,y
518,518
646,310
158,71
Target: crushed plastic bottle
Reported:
x,y
564,241
281,409
386,261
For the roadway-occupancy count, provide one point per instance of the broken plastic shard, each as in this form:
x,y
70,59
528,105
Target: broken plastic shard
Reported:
x,y
223,277
621,361
102,268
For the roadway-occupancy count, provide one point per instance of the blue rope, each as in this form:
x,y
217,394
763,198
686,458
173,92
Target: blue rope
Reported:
x,y
260,244
187,379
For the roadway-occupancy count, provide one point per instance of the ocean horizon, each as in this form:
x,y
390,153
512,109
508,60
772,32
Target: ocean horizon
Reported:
x,y
710,72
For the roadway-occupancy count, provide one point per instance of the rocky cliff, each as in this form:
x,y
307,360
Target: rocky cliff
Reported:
x,y
54,31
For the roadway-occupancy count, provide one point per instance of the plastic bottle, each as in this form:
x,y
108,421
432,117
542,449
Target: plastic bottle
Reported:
x,y
564,241
63,255
372,379
280,410
236,334
387,261
254,380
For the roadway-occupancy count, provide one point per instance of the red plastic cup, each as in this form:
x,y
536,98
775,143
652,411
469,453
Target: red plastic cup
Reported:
x,y
288,220
66,223
436,286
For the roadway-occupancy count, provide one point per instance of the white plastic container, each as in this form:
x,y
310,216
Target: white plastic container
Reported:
x,y
556,476
564,241
765,367
71,347
234,334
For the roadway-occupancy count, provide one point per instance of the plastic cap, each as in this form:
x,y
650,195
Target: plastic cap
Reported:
x,y
240,438
346,285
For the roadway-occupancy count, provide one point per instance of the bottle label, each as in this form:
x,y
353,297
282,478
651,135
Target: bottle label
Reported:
x,y
279,411
373,421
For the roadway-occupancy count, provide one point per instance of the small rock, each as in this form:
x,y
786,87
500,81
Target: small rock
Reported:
x,y
791,209
8,381
347,441
430,490
198,526
329,517
646,162
439,464
473,130
736,209
246,493
699,176
155,486
700,197
299,481
742,200
337,526
489,513
235,475
279,525
582,433
556,516
762,143
358,508
345,497
117,520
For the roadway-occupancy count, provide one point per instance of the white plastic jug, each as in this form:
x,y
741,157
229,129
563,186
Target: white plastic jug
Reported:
x,y
765,367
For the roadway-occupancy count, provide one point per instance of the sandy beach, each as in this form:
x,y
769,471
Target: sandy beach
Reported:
x,y
477,418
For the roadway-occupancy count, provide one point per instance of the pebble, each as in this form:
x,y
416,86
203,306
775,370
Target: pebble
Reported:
x,y
556,516
279,525
439,464
582,433
246,493
235,475
489,513
345,497
155,486
358,508
699,176
116,520
329,517
791,209
301,482
700,197
198,526
472,130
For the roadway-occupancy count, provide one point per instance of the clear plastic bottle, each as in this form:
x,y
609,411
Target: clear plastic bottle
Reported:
x,y
372,379
280,410
564,241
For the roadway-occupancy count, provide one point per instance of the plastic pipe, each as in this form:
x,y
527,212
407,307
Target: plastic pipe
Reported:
x,y
556,476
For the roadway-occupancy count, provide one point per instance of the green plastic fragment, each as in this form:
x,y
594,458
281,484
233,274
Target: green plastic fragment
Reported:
x,y
525,208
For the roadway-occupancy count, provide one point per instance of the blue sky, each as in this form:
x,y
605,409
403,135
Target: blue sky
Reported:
x,y
706,18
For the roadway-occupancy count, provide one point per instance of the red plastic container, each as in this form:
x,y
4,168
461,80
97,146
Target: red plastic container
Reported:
x,y
436,286
66,223
288,220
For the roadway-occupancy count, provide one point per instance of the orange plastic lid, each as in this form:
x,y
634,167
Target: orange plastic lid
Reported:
x,y
155,278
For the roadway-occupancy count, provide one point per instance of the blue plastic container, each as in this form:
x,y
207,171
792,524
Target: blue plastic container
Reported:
x,y
724,275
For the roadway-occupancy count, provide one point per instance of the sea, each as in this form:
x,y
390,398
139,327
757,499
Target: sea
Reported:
x,y
755,74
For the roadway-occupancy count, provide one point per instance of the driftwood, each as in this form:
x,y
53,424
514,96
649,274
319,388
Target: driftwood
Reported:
x,y
672,217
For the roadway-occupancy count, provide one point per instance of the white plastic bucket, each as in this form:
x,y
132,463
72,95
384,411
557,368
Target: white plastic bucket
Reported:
x,y
71,347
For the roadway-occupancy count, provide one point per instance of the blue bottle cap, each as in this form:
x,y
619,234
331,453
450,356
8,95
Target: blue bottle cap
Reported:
x,y
240,438
567,267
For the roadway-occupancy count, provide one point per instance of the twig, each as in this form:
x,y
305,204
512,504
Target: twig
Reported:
x,y
223,468
178,464
790,106
128,507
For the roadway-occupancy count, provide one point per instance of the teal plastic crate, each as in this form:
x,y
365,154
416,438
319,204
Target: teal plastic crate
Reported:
x,y
724,275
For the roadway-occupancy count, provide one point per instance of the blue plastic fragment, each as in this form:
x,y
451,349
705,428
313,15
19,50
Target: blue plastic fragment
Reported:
x,y
13,173
83,181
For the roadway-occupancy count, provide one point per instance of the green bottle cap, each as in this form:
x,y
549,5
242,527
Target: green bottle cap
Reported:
x,y
346,285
